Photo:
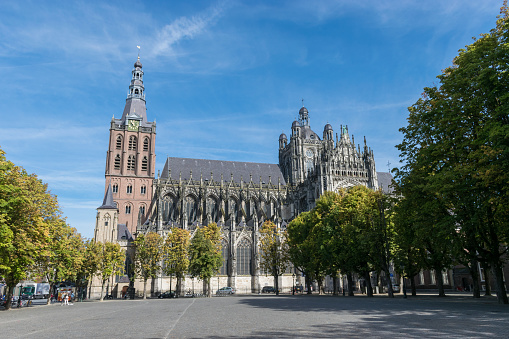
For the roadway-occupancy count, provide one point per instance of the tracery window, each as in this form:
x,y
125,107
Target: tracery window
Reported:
x,y
244,257
129,189
191,209
144,164
169,209
119,142
143,190
145,144
132,142
115,188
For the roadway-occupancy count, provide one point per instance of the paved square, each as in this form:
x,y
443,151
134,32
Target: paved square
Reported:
x,y
264,317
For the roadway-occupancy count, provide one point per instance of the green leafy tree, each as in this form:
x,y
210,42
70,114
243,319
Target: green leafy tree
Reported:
x,y
205,257
26,208
456,148
112,260
176,255
148,256
92,253
64,256
273,251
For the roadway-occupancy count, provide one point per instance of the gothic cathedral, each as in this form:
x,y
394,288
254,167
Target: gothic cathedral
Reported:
x,y
238,196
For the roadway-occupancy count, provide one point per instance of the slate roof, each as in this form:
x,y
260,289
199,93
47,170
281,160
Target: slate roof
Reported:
x,y
384,181
204,167
123,233
108,202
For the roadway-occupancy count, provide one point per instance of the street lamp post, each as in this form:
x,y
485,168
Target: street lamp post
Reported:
x,y
293,284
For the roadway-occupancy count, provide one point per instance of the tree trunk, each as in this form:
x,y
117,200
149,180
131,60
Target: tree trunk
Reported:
x,y
499,279
145,289
474,273
8,297
487,280
413,287
320,286
209,289
276,283
349,278
369,288
440,282
102,290
335,285
308,284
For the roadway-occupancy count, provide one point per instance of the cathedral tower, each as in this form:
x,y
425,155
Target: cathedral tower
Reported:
x,y
130,160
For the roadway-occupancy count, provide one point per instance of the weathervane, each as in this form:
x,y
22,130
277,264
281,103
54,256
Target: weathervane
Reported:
x,y
302,102
139,47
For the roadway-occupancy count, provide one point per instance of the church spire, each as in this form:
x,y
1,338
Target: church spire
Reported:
x,y
135,102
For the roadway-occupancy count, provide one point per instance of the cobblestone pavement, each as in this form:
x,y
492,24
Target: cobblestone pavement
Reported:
x,y
264,316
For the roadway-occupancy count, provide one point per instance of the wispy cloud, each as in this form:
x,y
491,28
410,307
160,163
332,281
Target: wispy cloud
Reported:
x,y
185,28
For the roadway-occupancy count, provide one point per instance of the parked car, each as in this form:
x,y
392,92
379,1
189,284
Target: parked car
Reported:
x,y
268,289
298,288
225,290
167,294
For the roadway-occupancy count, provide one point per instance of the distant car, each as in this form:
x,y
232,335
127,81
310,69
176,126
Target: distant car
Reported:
x,y
167,294
268,289
225,290
395,288
299,288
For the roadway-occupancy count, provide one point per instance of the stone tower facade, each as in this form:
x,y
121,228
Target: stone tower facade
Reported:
x,y
130,160
311,165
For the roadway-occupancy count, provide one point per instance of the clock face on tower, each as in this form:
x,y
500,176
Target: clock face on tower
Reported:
x,y
133,125
309,153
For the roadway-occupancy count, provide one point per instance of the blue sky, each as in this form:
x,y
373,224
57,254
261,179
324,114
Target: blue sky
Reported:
x,y
222,78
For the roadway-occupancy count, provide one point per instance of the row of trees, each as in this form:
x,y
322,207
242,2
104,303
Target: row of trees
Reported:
x,y
35,240
178,255
346,232
454,181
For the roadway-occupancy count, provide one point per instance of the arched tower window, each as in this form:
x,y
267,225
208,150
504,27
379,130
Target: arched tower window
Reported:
x,y
128,209
117,162
145,144
224,251
119,142
132,142
142,211
143,190
115,188
131,163
244,257
144,164
136,91
129,189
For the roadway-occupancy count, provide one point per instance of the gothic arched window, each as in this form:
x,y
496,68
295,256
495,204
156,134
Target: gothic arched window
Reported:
x,y
131,162
244,257
143,190
115,188
119,142
191,209
169,209
144,164
129,189
117,162
128,209
142,211
145,144
132,142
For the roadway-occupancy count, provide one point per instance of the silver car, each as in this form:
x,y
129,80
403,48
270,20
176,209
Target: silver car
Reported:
x,y
225,290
